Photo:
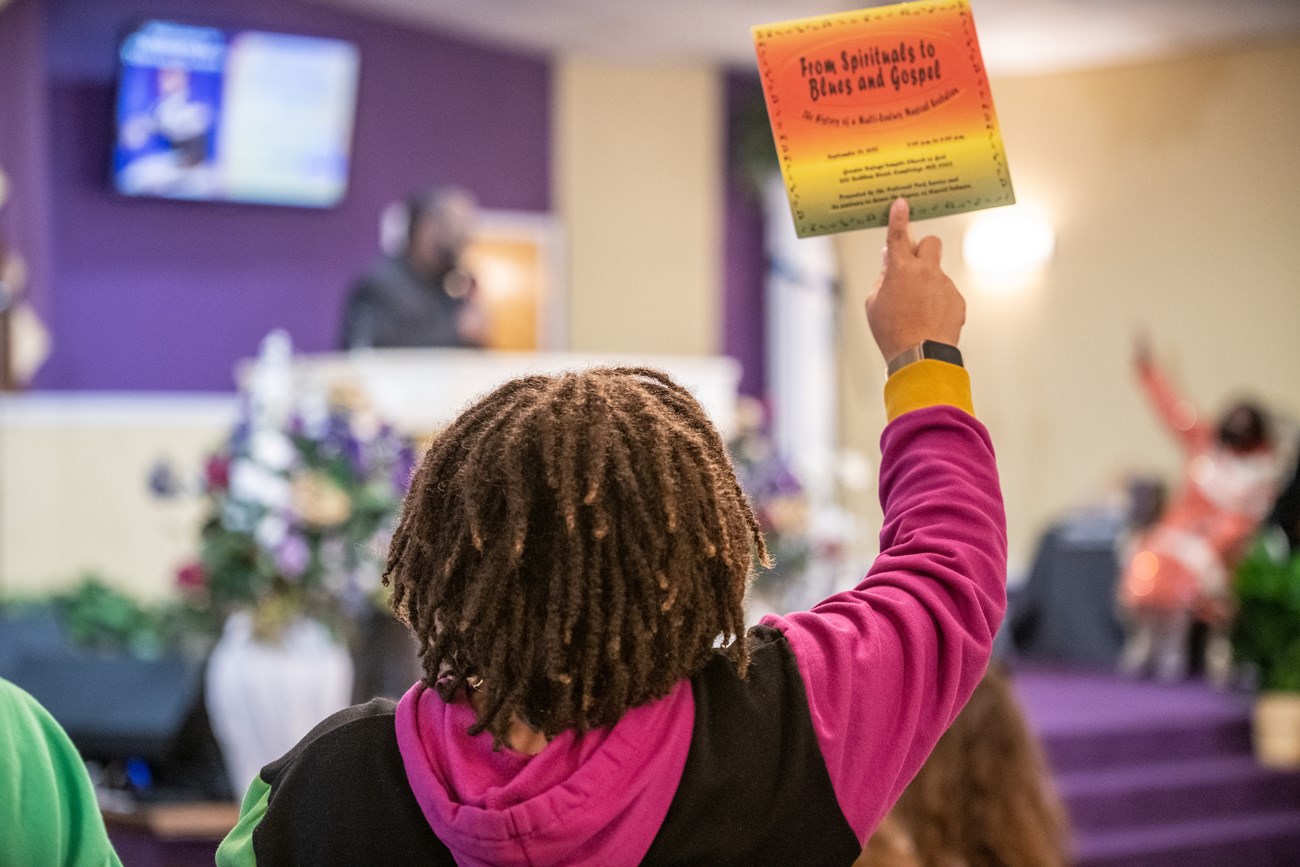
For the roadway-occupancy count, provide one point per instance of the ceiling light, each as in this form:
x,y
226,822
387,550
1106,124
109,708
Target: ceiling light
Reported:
x,y
1008,243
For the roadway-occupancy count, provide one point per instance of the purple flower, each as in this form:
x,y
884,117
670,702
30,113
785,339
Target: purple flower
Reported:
x,y
163,481
338,429
403,467
783,481
239,437
292,556
355,456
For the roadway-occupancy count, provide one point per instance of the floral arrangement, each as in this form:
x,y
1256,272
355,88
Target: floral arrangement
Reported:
x,y
301,498
777,496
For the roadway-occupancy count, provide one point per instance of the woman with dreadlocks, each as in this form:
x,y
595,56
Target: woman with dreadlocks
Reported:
x,y
573,556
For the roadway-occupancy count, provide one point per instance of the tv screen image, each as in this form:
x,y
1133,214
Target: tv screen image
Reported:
x,y
242,116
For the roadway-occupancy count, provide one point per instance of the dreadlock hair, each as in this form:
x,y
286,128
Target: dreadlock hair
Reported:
x,y
573,546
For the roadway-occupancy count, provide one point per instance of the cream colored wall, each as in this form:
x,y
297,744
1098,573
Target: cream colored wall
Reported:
x,y
637,163
1174,188
74,496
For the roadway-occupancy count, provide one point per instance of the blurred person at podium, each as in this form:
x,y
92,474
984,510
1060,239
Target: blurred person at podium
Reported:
x,y
421,295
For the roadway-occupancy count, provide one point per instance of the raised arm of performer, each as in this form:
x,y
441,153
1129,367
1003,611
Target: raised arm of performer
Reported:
x,y
1178,413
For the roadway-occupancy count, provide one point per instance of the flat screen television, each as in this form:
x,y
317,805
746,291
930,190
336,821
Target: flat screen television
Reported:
x,y
234,115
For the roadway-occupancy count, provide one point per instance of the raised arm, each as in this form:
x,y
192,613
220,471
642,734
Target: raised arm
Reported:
x,y
888,664
1178,413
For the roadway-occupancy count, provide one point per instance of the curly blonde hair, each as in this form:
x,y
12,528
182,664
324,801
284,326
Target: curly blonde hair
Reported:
x,y
982,799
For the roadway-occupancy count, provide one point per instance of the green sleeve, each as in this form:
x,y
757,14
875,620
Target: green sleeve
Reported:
x,y
48,812
237,849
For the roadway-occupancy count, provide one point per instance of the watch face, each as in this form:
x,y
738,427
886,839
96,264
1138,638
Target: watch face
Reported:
x,y
941,352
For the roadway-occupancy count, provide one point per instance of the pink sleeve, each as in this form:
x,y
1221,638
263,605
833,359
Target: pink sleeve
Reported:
x,y
888,664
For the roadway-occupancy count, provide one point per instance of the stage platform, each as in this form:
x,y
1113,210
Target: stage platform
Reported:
x,y
1160,775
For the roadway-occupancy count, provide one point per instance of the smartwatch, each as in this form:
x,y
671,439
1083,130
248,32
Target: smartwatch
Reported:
x,y
925,349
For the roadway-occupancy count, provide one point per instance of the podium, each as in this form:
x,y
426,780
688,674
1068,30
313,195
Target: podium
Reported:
x,y
82,460
422,390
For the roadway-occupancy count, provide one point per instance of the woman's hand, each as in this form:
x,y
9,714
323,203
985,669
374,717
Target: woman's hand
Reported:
x,y
913,300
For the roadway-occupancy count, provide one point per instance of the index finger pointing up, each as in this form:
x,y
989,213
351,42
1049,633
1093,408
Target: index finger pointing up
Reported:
x,y
898,241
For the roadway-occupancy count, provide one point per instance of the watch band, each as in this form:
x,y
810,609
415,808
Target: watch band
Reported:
x,y
926,349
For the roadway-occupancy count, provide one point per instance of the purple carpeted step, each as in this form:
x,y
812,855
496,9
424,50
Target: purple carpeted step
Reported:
x,y
1128,796
1160,775
1089,720
1153,742
1261,840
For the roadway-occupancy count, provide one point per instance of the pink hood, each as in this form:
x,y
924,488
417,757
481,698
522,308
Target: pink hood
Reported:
x,y
593,799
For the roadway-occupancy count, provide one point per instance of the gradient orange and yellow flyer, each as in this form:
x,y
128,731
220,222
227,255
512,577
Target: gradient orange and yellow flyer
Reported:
x,y
886,102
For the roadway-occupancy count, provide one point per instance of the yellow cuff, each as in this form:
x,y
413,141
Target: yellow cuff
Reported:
x,y
927,383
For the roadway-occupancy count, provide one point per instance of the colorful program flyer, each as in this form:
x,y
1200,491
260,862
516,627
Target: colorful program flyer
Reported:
x,y
886,102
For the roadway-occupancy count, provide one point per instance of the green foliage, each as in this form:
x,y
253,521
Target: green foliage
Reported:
x,y
1267,629
101,618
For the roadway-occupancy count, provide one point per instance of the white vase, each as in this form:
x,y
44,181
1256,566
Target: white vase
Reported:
x,y
263,697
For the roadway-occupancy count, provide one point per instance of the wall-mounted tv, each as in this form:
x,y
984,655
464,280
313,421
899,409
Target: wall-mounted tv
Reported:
x,y
234,115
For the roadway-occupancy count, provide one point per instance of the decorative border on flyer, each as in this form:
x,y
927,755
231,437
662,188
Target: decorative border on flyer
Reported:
x,y
765,33
991,127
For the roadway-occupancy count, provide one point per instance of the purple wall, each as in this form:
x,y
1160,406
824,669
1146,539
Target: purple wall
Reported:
x,y
24,220
744,292
149,294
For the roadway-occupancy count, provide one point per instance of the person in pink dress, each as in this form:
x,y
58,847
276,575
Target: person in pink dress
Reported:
x,y
1181,569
